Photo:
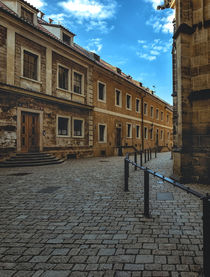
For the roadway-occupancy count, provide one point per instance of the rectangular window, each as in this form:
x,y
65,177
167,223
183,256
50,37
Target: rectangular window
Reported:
x,y
151,111
27,15
129,130
77,83
63,74
101,92
102,133
128,101
63,126
145,132
151,134
30,65
161,115
145,108
66,39
167,118
161,134
118,98
157,114
137,105
78,128
137,131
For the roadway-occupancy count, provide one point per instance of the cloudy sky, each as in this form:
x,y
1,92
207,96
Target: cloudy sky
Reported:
x,y
129,34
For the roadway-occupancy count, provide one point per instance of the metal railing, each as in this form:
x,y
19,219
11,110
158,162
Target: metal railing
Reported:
x,y
203,197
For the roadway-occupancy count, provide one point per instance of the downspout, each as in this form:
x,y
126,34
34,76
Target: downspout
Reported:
x,y
142,123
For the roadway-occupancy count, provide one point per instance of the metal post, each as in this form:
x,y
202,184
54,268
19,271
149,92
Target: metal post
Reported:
x,y
148,154
155,152
146,193
141,159
150,150
135,160
145,156
126,168
206,236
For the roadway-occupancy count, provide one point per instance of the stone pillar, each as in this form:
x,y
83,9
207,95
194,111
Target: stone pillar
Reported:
x,y
10,56
49,71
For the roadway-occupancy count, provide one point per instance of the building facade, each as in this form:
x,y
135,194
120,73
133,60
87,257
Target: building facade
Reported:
x,y
191,93
59,98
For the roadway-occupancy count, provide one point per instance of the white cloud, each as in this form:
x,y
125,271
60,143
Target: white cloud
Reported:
x,y
94,45
162,22
151,50
155,3
93,14
92,9
58,18
37,3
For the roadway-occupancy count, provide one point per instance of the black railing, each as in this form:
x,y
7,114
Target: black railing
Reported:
x,y
203,197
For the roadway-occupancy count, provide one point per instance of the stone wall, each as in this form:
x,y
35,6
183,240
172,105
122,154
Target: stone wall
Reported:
x,y
3,54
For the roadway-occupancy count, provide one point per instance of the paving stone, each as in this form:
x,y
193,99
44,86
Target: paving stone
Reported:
x,y
56,273
144,259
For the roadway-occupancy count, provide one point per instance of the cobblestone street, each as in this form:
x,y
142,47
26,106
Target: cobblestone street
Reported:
x,y
74,219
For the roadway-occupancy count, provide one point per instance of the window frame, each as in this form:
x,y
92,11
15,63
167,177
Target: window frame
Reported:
x,y
128,108
69,126
161,134
161,115
139,105
152,109
100,100
128,124
157,114
138,135
69,72
120,104
82,82
83,125
145,113
38,64
145,133
151,134
105,133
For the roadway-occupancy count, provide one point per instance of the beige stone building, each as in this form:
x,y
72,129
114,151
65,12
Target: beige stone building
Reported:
x,y
57,97
191,90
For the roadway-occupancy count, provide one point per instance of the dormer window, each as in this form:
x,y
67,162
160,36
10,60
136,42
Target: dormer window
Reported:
x,y
66,39
27,15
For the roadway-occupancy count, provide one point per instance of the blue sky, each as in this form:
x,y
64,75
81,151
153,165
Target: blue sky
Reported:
x,y
129,34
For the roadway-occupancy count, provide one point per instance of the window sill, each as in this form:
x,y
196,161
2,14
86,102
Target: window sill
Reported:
x,y
78,94
102,101
62,136
31,80
102,142
63,90
77,136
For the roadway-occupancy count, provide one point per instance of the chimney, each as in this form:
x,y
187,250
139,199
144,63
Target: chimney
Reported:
x,y
41,15
50,20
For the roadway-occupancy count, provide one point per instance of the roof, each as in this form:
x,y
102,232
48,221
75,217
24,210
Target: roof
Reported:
x,y
29,5
90,55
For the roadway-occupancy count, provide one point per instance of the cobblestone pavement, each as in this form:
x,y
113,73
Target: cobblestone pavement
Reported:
x,y
74,219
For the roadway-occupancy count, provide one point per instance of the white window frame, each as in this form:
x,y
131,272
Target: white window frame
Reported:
x,y
138,135
145,103
100,100
157,117
83,83
69,126
152,116
83,131
38,64
129,108
139,109
127,124
145,133
69,74
105,133
120,105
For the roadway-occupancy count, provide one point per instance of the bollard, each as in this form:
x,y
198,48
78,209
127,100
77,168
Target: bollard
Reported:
x,y
126,169
135,160
148,154
150,150
146,193
206,236
141,158
145,156
155,153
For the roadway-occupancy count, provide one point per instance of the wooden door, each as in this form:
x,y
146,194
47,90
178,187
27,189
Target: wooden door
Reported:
x,y
29,132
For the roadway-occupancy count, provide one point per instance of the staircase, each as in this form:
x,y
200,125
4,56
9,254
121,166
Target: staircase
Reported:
x,y
30,159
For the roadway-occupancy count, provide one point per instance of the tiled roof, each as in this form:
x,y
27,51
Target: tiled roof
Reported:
x,y
79,49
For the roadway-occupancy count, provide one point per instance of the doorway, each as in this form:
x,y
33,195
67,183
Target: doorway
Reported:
x,y
29,132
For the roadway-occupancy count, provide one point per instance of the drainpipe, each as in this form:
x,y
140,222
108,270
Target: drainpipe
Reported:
x,y
142,122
